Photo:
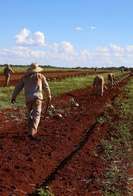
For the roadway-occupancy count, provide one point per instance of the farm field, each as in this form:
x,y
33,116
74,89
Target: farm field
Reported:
x,y
57,87
57,74
21,69
66,98
104,165
66,155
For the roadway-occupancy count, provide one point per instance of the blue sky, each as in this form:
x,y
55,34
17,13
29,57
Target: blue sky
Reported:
x,y
76,32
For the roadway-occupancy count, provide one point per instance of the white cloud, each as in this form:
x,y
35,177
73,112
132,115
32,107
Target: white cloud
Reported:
x,y
92,28
78,28
104,51
63,48
63,53
55,53
67,48
23,37
117,50
129,51
39,38
21,55
26,38
129,48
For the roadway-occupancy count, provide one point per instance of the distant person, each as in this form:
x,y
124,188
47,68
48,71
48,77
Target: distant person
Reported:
x,y
98,85
95,69
111,80
122,69
33,82
7,73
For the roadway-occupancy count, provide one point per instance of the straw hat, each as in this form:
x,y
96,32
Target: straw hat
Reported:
x,y
34,68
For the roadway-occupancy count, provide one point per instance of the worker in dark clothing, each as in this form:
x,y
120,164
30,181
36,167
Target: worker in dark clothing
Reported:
x,y
7,73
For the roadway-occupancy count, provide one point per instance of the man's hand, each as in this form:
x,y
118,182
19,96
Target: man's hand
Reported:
x,y
105,87
48,102
13,100
49,99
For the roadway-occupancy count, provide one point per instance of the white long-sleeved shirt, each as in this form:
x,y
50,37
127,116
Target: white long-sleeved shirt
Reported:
x,y
34,84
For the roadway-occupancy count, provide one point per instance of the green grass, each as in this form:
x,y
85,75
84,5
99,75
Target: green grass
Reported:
x,y
118,142
46,191
129,101
69,84
5,97
57,88
19,69
16,69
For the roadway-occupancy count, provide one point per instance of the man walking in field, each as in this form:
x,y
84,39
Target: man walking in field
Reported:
x,y
99,85
7,73
33,83
110,80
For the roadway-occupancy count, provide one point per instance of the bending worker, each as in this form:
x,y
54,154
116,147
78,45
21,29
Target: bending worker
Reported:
x,y
7,73
33,82
110,80
98,85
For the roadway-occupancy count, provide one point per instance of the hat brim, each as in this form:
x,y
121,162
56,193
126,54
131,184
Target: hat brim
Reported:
x,y
35,70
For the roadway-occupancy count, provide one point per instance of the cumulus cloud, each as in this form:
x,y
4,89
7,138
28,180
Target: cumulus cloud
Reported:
x,y
56,53
26,38
92,27
63,48
103,51
129,49
39,38
67,48
21,55
78,28
117,50
23,37
63,53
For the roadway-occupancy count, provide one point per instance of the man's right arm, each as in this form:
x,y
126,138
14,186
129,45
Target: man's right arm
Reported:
x,y
4,71
94,83
17,90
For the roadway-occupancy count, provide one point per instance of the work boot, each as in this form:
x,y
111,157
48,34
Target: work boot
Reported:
x,y
73,103
33,132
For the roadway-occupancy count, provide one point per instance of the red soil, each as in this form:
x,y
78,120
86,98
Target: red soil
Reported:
x,y
130,177
81,176
25,163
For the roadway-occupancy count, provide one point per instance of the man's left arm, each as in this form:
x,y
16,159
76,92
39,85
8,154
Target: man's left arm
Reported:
x,y
46,88
11,70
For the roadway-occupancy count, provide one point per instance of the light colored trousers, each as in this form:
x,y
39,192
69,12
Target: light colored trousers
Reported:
x,y
7,79
99,90
34,109
110,83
